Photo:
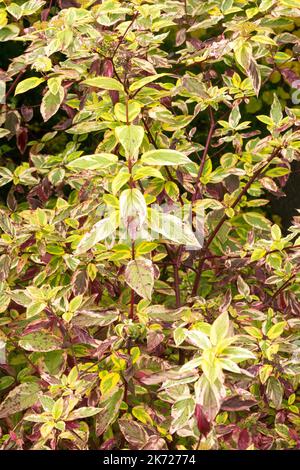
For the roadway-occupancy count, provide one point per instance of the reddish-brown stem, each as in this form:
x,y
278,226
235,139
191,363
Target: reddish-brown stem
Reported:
x,y
49,8
176,277
35,368
214,233
175,261
248,255
132,185
131,312
205,152
282,288
123,35
176,285
14,84
150,136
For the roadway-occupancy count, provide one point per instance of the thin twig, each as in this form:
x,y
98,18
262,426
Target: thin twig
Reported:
x,y
123,35
224,218
15,82
205,152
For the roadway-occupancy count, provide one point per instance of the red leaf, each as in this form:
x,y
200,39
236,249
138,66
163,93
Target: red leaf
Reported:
x,y
203,424
108,68
27,112
235,403
22,139
244,440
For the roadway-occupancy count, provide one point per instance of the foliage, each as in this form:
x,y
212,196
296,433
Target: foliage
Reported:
x,y
148,299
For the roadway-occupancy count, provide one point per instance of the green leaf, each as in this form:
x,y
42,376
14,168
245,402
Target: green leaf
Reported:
x,y
253,331
139,275
243,287
15,10
75,303
141,414
128,113
54,85
35,308
105,83
28,84
265,119
209,396
9,32
46,402
57,409
274,392
133,210
277,172
20,398
120,180
46,429
94,162
86,127
35,418
5,176
109,382
198,339
238,354
264,372
165,157
290,3
6,382
172,190
258,253
234,117
4,132
229,365
134,433
131,138
51,103
109,411
179,335
276,110
135,353
95,318
243,54
211,366
41,341
263,40
282,429
219,329
191,365
101,230
276,232
81,413
55,250
144,81
257,220
173,228
181,412
145,172
276,330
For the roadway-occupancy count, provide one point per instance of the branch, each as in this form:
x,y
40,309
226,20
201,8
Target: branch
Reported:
x,y
124,34
205,152
15,82
214,233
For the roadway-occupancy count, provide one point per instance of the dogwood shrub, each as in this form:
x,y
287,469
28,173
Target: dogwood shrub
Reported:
x,y
148,298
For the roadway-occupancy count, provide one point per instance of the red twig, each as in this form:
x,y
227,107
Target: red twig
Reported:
x,y
224,218
205,152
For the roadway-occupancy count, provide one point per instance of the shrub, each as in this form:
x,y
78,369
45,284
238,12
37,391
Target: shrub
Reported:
x,y
148,298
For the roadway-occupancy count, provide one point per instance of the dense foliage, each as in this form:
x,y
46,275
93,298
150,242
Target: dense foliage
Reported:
x,y
148,298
